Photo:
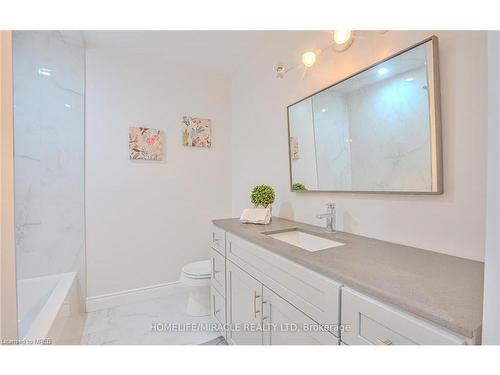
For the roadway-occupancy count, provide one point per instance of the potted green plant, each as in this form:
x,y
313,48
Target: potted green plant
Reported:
x,y
263,196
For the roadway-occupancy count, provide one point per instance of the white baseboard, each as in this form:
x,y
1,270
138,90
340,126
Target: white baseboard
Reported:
x,y
123,297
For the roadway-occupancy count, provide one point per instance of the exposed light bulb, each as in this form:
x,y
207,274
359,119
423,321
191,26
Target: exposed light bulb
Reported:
x,y
308,59
342,40
342,36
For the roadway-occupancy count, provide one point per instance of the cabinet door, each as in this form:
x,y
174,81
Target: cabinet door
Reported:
x,y
218,277
218,306
244,306
283,324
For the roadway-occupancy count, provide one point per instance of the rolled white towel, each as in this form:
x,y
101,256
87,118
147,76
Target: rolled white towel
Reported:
x,y
256,216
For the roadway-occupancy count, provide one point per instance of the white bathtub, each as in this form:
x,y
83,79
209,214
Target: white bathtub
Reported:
x,y
42,301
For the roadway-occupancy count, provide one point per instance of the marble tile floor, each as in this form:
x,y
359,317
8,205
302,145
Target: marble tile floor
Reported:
x,y
148,322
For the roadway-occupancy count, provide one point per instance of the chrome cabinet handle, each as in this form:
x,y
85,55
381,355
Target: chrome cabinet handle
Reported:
x,y
384,342
255,311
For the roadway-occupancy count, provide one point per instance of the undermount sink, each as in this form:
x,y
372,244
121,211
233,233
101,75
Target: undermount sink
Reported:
x,y
304,240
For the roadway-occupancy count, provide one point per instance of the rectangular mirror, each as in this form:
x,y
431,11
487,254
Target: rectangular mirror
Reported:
x,y
377,131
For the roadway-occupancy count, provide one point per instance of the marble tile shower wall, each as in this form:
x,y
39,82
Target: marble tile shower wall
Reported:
x,y
332,134
49,82
399,110
372,137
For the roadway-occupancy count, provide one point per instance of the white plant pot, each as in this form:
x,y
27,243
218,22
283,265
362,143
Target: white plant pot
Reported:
x,y
269,208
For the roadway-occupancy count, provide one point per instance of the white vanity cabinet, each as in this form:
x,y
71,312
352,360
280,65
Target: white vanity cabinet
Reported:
x,y
263,298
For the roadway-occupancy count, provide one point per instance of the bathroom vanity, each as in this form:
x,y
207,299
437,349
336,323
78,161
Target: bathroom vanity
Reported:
x,y
286,283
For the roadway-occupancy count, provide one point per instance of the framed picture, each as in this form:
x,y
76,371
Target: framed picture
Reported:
x,y
145,144
196,132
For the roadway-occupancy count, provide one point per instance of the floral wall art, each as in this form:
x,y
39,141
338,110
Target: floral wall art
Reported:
x,y
196,132
145,144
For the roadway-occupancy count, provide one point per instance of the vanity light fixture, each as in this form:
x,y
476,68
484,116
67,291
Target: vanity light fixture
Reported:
x,y
308,59
409,79
342,40
341,36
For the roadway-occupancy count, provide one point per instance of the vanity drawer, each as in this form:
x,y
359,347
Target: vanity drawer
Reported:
x,y
218,276
379,334
218,239
367,321
218,306
316,296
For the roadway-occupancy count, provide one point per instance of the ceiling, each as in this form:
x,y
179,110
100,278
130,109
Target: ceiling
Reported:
x,y
218,51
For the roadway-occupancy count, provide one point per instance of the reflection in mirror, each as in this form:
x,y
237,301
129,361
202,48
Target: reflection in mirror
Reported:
x,y
377,131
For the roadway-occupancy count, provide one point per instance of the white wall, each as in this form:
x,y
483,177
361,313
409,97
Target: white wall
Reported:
x,y
145,220
451,223
491,323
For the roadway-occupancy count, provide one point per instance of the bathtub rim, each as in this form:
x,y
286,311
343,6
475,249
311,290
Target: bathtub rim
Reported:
x,y
44,321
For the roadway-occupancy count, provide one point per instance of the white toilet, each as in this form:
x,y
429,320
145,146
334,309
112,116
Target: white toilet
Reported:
x,y
196,277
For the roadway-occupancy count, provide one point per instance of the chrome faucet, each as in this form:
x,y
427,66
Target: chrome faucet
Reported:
x,y
330,216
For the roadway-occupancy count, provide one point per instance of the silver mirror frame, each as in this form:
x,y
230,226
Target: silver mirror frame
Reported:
x,y
435,124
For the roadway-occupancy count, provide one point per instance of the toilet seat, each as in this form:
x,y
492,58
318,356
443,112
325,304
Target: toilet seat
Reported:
x,y
197,270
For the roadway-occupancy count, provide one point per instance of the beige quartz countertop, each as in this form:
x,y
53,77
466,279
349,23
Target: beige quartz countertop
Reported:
x,y
440,288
